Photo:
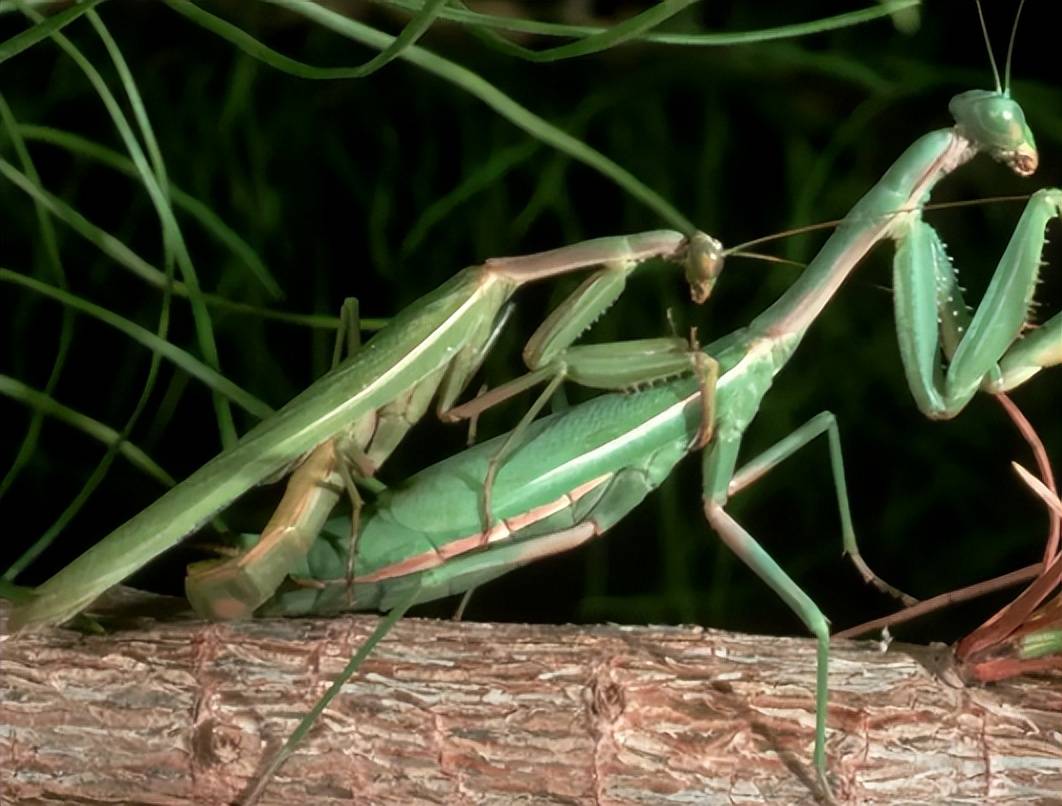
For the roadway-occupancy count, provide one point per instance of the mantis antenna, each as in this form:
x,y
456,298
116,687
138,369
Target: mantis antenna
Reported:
x,y
1010,50
988,47
742,249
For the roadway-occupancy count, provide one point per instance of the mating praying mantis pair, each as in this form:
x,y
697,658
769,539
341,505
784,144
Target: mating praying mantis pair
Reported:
x,y
576,473
569,477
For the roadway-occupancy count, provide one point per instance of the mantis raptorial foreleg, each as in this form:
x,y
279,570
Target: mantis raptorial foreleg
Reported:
x,y
981,349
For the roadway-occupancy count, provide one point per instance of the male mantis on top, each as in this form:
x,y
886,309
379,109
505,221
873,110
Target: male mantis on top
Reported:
x,y
573,475
363,407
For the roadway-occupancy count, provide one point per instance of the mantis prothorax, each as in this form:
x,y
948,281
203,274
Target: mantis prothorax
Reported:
x,y
575,474
363,406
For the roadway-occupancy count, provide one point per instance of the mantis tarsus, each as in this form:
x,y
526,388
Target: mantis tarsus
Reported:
x,y
367,403
1019,638
575,474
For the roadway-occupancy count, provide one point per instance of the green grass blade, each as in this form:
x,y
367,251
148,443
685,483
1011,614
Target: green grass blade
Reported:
x,y
197,210
217,382
413,31
503,105
99,473
307,722
126,257
116,442
631,28
46,405
480,178
101,239
171,232
137,104
55,264
467,80
477,19
43,28
426,14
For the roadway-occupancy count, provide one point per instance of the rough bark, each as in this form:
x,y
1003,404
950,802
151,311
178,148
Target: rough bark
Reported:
x,y
179,711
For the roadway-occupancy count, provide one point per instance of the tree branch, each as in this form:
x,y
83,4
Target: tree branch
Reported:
x,y
179,711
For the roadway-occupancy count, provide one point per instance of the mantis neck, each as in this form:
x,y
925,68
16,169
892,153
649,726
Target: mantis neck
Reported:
x,y
905,186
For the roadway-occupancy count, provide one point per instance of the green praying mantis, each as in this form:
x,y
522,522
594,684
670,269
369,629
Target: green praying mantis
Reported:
x,y
357,413
573,475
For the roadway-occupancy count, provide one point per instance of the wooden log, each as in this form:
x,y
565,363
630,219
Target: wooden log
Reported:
x,y
175,711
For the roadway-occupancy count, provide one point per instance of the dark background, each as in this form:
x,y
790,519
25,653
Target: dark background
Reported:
x,y
337,185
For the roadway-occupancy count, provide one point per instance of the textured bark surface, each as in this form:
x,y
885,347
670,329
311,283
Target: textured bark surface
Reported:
x,y
178,711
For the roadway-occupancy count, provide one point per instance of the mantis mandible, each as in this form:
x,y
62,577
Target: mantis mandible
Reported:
x,y
364,405
573,475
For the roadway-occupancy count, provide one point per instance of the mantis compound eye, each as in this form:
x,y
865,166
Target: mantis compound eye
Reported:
x,y
996,124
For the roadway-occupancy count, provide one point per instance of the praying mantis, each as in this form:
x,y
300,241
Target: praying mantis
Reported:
x,y
573,475
361,409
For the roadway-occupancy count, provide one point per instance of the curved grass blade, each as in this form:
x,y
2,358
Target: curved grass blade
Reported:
x,y
467,80
137,104
126,257
201,213
170,247
483,176
625,31
217,382
116,442
172,238
792,31
46,405
66,327
43,28
413,31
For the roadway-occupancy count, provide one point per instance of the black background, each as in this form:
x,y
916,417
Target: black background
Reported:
x,y
327,181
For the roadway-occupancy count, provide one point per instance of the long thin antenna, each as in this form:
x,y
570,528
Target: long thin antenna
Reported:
x,y
742,248
988,46
1010,50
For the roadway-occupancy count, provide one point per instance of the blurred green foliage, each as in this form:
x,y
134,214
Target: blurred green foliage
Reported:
x,y
383,187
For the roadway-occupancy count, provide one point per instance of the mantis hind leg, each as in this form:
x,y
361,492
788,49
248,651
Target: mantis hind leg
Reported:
x,y
822,423
719,462
512,441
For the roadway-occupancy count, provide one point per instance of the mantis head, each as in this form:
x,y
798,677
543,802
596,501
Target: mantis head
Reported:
x,y
704,262
995,123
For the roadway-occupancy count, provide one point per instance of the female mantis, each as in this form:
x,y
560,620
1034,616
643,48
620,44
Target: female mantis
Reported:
x,y
576,474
